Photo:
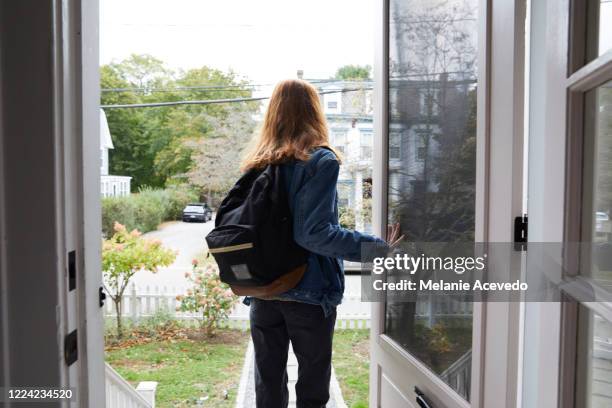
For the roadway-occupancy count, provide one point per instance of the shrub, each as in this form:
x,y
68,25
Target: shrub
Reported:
x,y
124,254
149,210
178,197
146,209
117,209
209,296
346,217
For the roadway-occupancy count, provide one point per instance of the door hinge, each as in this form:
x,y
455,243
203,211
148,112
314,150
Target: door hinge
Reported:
x,y
70,348
520,233
101,296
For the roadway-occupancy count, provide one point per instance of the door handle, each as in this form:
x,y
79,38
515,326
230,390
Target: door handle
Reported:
x,y
420,398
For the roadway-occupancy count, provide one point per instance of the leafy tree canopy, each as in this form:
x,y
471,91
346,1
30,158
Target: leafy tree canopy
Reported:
x,y
354,72
155,146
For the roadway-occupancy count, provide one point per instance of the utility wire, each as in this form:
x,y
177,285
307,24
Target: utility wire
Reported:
x,y
220,87
211,101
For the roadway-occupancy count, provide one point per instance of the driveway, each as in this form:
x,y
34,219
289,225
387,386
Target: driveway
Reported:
x,y
185,237
188,239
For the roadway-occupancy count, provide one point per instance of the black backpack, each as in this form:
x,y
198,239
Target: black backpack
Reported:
x,y
252,241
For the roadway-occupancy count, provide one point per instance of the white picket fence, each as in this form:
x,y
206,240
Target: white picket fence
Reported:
x,y
144,301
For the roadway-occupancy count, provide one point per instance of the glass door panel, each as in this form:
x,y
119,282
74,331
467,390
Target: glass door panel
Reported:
x,y
597,185
594,368
431,172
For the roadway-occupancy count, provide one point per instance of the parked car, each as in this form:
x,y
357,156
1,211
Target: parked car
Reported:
x,y
197,212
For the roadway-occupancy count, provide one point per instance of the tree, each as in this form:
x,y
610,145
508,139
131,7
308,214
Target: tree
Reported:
x,y
143,71
152,145
216,158
137,133
124,254
354,72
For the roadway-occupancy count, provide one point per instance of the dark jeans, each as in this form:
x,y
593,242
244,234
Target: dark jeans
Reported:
x,y
273,324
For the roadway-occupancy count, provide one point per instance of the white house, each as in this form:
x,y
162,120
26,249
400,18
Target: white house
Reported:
x,y
349,117
110,185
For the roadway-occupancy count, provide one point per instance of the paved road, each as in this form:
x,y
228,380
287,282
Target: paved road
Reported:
x,y
188,239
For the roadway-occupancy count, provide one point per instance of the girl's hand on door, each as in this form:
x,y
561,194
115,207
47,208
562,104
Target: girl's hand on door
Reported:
x,y
394,236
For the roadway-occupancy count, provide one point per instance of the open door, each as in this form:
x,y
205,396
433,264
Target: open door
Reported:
x,y
449,82
568,356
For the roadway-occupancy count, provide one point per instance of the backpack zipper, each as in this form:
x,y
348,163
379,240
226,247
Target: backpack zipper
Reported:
x,y
231,248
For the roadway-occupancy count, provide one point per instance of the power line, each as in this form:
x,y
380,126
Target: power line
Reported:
x,y
218,87
212,101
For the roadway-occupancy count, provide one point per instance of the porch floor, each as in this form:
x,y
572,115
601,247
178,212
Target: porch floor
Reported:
x,y
246,391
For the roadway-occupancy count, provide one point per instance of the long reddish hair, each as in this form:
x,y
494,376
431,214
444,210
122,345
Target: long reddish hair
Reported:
x,y
294,124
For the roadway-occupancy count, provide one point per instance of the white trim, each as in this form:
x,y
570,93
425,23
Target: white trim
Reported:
x,y
91,321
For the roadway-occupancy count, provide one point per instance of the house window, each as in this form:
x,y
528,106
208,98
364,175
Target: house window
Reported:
x,y
429,100
339,140
332,105
365,145
421,147
395,148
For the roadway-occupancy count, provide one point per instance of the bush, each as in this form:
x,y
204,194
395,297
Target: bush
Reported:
x,y
178,197
346,217
209,297
120,209
146,209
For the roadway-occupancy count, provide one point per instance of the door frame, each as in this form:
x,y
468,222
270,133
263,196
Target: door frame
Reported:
x,y
499,186
49,153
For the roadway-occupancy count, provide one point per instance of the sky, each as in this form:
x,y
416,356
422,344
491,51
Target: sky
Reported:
x,y
263,41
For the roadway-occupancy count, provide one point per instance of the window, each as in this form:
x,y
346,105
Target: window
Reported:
x,y
598,38
365,138
428,100
339,139
365,152
431,190
395,146
332,105
366,145
421,147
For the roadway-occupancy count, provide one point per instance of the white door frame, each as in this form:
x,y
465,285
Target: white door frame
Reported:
x,y
90,202
499,178
49,204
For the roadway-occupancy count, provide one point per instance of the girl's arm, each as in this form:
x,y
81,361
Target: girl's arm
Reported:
x,y
315,227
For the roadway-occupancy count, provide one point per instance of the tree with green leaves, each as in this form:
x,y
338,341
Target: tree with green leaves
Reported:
x,y
216,158
155,146
354,72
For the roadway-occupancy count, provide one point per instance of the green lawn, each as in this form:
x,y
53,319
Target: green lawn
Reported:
x,y
351,360
186,369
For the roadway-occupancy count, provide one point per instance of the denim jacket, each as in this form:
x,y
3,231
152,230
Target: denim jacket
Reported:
x,y
313,200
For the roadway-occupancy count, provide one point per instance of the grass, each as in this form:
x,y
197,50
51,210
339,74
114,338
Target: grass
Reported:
x,y
351,360
187,369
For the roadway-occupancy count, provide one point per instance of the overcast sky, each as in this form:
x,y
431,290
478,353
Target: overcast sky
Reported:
x,y
264,40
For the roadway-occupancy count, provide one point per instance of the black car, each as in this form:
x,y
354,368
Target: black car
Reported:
x,y
197,212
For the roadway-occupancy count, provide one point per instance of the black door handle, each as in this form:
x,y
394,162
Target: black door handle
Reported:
x,y
420,398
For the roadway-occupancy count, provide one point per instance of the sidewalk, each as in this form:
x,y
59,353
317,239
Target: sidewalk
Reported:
x,y
246,390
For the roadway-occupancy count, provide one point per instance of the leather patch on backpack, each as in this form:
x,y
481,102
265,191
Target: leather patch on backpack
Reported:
x,y
276,287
